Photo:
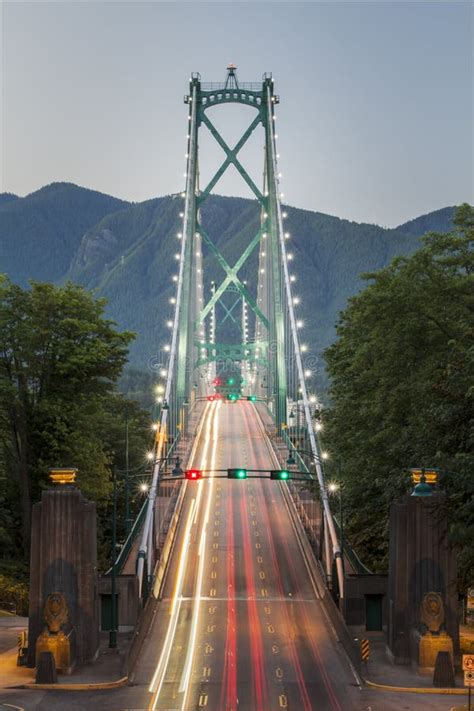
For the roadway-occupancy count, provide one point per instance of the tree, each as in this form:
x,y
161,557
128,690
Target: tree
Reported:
x,y
401,388
59,360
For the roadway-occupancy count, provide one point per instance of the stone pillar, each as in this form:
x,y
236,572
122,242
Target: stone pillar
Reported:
x,y
421,561
64,560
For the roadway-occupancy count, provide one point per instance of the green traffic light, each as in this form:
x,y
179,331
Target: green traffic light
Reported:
x,y
280,474
252,398
236,473
230,381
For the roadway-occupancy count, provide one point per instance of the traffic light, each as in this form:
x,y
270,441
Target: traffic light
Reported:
x,y
233,397
211,398
230,381
252,398
216,381
193,474
280,474
236,473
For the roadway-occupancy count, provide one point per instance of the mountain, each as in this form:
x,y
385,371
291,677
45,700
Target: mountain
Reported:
x,y
40,233
437,221
126,251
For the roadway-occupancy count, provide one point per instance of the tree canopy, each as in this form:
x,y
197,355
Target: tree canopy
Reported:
x,y
402,389
59,363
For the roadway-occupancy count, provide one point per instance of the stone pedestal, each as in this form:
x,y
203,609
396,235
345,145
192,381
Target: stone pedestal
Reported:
x,y
427,647
64,560
421,562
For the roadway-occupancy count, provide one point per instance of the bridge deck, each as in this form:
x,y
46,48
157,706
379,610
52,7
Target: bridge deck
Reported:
x,y
240,625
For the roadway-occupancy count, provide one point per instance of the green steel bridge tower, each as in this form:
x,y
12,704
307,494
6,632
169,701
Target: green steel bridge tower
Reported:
x,y
264,355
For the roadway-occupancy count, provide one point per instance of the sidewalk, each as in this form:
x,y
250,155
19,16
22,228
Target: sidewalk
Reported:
x,y
380,669
105,669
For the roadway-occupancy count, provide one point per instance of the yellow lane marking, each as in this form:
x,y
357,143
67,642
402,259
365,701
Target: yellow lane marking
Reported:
x,y
262,575
216,533
202,700
258,545
211,628
271,629
214,559
279,673
259,559
208,648
212,609
206,671
264,592
215,546
267,609
212,592
283,701
213,574
275,648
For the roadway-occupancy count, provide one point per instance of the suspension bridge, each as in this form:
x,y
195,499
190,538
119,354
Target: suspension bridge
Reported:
x,y
235,583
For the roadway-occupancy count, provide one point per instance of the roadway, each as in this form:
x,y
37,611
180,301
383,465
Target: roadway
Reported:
x,y
239,626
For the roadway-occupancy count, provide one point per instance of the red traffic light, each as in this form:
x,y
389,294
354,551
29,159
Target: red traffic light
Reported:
x,y
211,398
217,381
193,474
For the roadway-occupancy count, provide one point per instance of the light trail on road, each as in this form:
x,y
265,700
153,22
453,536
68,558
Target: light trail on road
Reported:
x,y
240,626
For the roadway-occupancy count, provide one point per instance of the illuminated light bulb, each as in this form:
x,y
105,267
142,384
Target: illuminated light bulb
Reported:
x,y
280,175
144,488
304,348
183,195
292,278
265,215
296,300
181,214
282,195
324,455
167,348
154,426
276,135
313,399
179,235
159,390
318,427
169,324
177,257
163,373
262,271
289,257
174,277
307,373
264,254
299,324
150,456
172,300
159,400
285,215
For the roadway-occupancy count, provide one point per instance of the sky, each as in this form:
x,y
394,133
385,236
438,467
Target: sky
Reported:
x,y
375,120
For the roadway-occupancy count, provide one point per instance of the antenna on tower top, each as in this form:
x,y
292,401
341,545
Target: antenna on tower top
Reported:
x,y
231,81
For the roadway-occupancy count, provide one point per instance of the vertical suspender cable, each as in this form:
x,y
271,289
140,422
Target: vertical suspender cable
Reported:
x,y
299,365
146,543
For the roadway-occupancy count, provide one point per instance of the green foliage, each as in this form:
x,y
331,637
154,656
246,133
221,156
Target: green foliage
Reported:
x,y
401,387
59,362
13,594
